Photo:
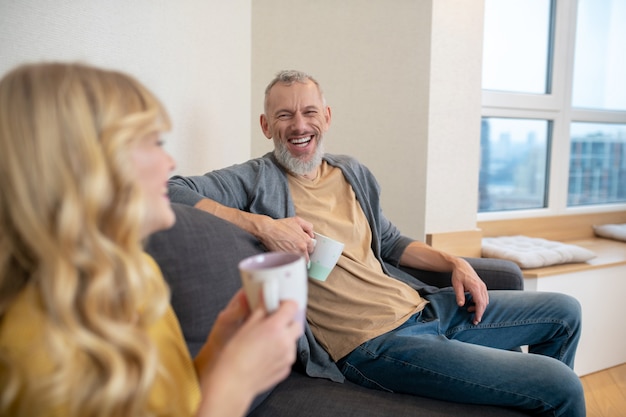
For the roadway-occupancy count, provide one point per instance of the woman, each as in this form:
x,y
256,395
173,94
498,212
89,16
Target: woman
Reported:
x,y
85,324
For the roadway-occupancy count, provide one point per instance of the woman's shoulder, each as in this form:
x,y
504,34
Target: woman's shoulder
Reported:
x,y
22,331
23,316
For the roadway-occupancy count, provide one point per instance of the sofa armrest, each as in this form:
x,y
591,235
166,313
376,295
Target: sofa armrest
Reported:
x,y
498,274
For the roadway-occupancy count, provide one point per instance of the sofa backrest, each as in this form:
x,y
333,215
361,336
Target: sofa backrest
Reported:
x,y
198,257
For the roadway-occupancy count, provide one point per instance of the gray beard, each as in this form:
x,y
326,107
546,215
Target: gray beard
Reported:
x,y
295,165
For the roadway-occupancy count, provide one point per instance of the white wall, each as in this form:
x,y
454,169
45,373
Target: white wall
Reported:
x,y
194,54
402,78
403,81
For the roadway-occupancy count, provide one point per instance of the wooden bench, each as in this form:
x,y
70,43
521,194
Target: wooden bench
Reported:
x,y
576,229
598,284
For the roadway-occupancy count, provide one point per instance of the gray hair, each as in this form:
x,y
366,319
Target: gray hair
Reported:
x,y
289,77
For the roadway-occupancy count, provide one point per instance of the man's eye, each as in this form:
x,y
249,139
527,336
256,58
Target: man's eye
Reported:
x,y
283,116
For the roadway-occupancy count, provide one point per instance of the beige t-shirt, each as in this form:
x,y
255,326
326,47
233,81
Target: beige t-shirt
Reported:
x,y
358,301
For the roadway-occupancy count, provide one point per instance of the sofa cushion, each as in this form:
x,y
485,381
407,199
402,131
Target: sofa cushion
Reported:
x,y
611,231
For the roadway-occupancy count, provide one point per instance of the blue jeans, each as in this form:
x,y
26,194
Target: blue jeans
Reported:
x,y
439,353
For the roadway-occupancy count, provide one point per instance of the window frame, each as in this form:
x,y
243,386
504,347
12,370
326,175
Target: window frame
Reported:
x,y
556,107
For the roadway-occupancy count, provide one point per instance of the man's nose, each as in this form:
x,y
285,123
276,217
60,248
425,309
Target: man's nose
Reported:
x,y
299,122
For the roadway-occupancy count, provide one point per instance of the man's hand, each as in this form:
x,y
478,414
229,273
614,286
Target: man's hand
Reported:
x,y
292,234
464,279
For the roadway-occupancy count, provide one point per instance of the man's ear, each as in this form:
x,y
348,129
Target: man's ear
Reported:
x,y
327,115
265,127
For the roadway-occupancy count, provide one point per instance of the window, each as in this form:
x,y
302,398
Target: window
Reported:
x,y
553,134
600,58
523,37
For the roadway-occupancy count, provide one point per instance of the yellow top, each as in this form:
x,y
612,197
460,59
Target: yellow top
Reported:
x,y
21,330
358,301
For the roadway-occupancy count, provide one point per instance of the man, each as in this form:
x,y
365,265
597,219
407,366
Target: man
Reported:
x,y
379,331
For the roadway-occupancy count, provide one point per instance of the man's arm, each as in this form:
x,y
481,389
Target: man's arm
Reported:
x,y
292,234
464,278
237,192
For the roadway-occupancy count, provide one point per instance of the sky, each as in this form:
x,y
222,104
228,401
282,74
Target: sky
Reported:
x,y
517,32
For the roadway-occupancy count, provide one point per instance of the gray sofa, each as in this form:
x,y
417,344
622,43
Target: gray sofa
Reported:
x,y
199,257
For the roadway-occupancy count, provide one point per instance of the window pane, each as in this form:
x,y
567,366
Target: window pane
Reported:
x,y
516,46
513,167
600,60
597,173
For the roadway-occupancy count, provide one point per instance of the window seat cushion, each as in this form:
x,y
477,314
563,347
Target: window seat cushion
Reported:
x,y
611,231
529,252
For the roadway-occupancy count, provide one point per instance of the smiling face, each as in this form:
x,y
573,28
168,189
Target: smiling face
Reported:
x,y
296,118
152,166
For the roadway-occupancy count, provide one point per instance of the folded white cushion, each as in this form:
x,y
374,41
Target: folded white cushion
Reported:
x,y
611,231
529,252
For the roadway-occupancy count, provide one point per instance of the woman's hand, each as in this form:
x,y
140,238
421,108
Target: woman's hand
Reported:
x,y
246,353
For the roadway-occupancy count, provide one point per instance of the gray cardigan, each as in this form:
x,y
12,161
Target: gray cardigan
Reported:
x,y
260,186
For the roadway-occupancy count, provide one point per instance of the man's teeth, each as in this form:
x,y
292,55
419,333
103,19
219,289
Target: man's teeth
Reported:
x,y
301,141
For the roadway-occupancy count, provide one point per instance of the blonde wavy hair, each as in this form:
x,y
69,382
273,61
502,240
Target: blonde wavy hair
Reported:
x,y
70,224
